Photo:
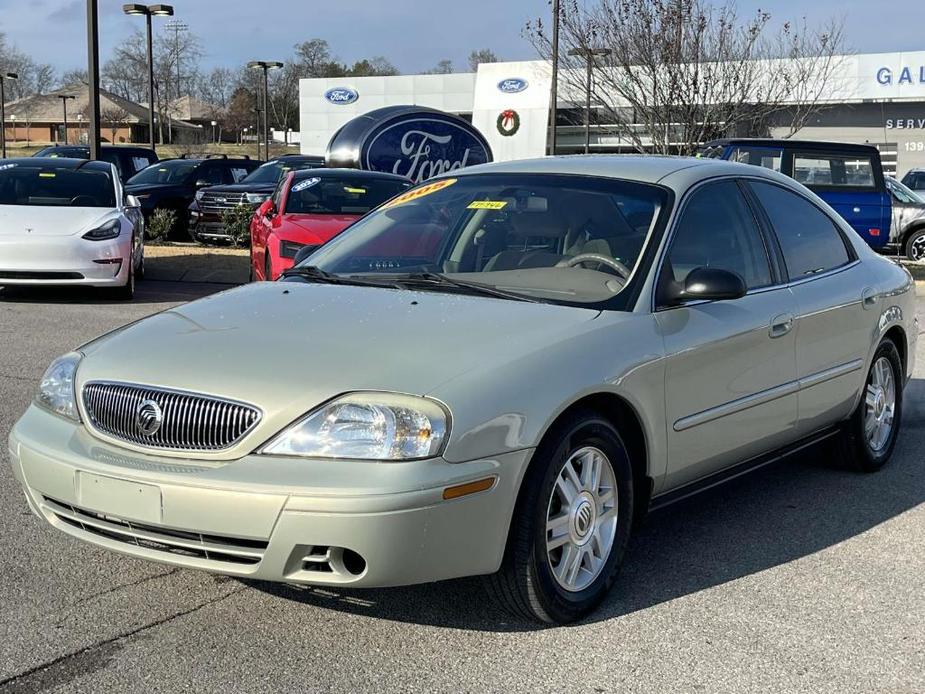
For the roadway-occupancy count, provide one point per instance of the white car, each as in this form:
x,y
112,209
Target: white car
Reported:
x,y
68,222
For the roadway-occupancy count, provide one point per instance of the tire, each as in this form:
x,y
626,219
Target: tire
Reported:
x,y
860,450
531,583
914,247
267,267
140,272
127,291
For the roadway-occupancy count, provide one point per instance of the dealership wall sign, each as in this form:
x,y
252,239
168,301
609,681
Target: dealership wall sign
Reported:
x,y
412,141
512,85
341,96
907,75
905,123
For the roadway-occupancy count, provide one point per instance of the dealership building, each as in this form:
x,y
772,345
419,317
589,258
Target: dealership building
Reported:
x,y
876,98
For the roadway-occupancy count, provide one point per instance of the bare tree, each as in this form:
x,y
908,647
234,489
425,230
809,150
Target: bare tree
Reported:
x,y
34,78
682,72
443,67
483,55
75,76
114,117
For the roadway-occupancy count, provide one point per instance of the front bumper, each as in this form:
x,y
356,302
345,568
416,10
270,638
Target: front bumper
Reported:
x,y
65,261
275,519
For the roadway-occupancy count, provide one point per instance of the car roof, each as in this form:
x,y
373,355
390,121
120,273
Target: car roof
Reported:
x,y
86,148
810,145
633,167
60,163
354,173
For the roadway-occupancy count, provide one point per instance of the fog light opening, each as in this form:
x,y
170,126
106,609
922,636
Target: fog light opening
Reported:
x,y
353,562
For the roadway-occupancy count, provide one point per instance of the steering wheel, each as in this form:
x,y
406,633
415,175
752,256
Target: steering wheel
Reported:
x,y
598,258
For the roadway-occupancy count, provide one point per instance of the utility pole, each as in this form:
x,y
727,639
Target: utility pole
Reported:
x,y
93,78
554,96
176,27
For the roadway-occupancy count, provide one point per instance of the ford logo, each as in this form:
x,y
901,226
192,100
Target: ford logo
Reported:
x,y
412,141
341,96
512,85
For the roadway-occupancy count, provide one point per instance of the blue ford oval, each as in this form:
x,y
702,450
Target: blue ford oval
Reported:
x,y
341,96
512,85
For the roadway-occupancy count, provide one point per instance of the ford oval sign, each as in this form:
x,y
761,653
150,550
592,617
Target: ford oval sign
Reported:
x,y
512,85
341,96
411,141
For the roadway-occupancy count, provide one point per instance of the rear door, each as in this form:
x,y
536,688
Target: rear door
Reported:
x,y
853,185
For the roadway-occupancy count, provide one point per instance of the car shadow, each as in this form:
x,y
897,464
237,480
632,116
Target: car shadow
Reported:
x,y
776,515
146,292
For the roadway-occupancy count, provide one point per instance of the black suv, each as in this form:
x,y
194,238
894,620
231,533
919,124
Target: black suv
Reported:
x,y
210,203
128,160
172,184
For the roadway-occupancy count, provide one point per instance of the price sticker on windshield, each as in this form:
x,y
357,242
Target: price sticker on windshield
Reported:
x,y
420,192
487,204
306,184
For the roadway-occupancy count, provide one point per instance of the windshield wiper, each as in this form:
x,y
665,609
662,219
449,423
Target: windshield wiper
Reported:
x,y
316,274
437,279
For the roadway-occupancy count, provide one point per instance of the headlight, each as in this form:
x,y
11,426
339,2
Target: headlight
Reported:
x,y
56,389
367,426
109,230
199,194
289,249
256,198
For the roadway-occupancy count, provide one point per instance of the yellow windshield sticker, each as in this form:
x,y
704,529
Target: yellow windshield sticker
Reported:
x,y
358,191
487,204
46,174
419,192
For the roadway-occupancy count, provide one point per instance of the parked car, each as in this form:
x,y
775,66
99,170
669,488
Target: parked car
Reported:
x,y
495,372
128,159
172,184
907,232
68,222
848,177
914,179
311,207
211,203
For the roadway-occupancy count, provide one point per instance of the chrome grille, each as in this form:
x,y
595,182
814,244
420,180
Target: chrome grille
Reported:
x,y
219,202
188,421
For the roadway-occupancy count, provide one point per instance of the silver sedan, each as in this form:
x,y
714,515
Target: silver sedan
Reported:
x,y
497,372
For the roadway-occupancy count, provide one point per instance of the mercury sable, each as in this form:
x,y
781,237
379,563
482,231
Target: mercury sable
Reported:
x,y
68,222
496,372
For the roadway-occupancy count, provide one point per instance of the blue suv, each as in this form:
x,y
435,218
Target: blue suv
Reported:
x,y
848,177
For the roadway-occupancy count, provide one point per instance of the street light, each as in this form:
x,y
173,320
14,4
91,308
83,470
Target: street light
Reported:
x,y
149,11
64,99
554,97
13,120
589,54
3,78
214,123
266,66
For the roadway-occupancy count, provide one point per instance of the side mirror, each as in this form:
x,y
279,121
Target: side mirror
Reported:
x,y
303,253
132,201
706,284
267,209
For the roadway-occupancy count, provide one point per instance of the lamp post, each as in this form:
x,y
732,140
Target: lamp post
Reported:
x,y
80,125
3,78
589,54
554,97
214,123
64,99
266,66
13,121
149,11
93,77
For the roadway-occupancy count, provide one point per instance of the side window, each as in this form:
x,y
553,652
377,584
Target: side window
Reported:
x,y
139,163
758,156
238,173
717,229
215,175
809,239
834,170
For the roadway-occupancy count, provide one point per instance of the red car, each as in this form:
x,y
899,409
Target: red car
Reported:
x,y
310,207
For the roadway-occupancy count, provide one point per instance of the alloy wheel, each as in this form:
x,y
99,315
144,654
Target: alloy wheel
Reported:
x,y
917,249
581,519
880,404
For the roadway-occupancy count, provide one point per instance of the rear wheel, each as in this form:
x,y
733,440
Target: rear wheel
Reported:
x,y
914,248
867,439
571,524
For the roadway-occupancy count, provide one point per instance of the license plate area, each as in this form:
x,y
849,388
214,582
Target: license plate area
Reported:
x,y
121,499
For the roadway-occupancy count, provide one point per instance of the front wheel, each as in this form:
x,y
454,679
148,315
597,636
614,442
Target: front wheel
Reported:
x,y
571,524
867,439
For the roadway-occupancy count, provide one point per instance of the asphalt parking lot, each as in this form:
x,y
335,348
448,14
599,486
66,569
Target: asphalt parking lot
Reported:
x,y
802,577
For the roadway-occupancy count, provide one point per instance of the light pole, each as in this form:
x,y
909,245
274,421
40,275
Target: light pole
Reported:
x,y
214,123
149,11
93,77
589,54
3,78
80,125
266,66
64,99
554,97
13,121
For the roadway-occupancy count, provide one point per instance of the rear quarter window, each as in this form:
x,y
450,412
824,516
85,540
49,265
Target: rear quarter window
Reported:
x,y
834,170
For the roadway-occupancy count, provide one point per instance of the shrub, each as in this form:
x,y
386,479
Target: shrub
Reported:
x,y
237,223
160,223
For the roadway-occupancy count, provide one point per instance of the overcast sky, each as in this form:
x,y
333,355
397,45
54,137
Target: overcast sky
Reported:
x,y
413,34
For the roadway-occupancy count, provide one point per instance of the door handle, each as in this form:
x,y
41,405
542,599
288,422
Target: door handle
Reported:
x,y
869,298
781,325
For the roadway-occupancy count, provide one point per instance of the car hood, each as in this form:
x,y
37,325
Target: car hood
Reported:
x,y
324,225
19,220
147,188
287,347
267,188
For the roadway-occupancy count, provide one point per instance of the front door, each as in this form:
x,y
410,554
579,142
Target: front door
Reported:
x,y
730,386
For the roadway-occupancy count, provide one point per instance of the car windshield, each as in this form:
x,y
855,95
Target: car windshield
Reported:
x,y
569,239
176,171
903,193
272,171
347,194
67,152
47,186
